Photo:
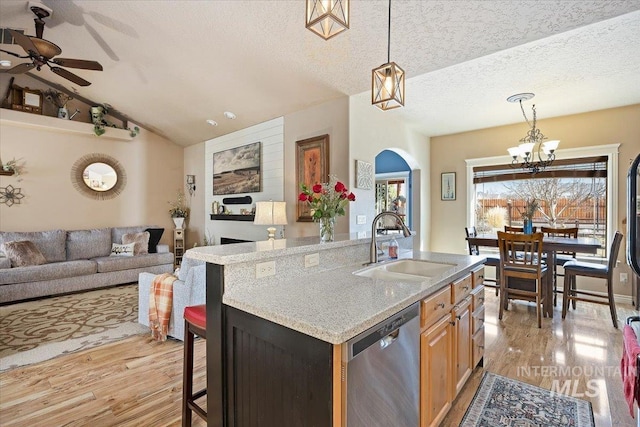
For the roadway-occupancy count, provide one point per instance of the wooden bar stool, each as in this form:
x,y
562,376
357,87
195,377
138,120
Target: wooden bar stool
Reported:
x,y
195,323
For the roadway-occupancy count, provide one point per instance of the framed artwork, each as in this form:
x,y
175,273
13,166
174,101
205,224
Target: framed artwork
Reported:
x,y
312,167
237,170
364,175
448,186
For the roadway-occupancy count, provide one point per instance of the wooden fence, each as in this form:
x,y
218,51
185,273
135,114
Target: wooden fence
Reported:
x,y
591,213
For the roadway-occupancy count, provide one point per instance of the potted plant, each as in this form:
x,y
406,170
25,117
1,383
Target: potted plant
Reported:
x,y
527,215
179,211
60,100
14,166
326,200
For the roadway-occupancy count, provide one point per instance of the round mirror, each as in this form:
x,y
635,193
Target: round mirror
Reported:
x,y
100,176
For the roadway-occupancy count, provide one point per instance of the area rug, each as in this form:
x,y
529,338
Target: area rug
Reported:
x,y
36,331
501,401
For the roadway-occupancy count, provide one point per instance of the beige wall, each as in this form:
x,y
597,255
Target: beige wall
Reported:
x,y
372,131
154,168
329,118
448,219
194,165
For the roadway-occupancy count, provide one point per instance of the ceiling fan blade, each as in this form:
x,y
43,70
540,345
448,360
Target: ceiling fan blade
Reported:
x,y
13,54
78,63
70,76
21,68
24,41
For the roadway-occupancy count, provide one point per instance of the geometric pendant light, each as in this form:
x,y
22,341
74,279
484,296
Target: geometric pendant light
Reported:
x,y
327,18
387,81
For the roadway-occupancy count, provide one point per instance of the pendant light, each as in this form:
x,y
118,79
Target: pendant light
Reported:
x,y
387,81
327,18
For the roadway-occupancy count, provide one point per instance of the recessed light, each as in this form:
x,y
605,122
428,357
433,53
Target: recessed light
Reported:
x,y
212,122
5,63
229,115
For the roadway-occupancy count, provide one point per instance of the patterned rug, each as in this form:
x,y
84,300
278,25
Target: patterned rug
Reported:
x,y
501,401
35,331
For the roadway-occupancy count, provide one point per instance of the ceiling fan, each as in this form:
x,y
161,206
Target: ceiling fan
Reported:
x,y
42,52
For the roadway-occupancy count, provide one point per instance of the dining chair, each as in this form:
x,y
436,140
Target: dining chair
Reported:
x,y
561,257
575,268
510,229
521,270
492,260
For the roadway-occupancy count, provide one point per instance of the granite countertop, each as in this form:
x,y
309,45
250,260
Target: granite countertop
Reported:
x,y
336,305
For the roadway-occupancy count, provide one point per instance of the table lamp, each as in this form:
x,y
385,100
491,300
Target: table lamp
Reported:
x,y
271,213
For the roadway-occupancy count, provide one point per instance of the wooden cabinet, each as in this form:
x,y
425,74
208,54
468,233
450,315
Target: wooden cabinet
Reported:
x,y
436,344
451,344
178,246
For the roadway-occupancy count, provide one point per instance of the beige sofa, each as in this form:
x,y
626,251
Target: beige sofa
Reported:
x,y
75,261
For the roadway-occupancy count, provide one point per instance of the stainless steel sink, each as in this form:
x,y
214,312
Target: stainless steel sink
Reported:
x,y
405,269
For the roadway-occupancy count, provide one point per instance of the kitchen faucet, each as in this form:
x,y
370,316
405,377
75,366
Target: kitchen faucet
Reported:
x,y
373,249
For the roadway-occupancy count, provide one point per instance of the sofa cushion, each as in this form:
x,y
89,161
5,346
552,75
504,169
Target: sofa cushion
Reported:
x,y
122,249
23,253
4,262
140,242
107,264
50,243
52,271
87,244
155,234
118,232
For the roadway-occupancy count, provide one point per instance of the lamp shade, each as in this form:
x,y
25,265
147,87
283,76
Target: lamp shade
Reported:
x,y
387,86
271,213
327,18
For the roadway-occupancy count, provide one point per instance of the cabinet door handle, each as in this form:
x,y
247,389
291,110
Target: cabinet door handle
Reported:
x,y
458,317
481,346
481,277
466,288
481,300
440,305
452,323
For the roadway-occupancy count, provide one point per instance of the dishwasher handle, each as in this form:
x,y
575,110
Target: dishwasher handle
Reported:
x,y
389,339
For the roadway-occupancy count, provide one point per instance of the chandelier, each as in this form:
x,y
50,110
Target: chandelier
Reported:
x,y
387,81
327,18
532,145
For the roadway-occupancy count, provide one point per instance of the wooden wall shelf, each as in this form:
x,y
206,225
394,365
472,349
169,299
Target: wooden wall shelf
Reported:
x,y
36,121
6,173
232,217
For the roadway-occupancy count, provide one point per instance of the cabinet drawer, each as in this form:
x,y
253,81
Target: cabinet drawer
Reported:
x,y
478,319
478,297
478,346
477,277
460,289
434,307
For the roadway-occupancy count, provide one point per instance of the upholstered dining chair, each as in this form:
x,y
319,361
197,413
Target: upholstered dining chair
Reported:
x,y
561,257
492,260
575,268
521,270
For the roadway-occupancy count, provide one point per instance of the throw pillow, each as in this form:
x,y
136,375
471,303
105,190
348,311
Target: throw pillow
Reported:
x,y
23,253
141,241
154,238
122,250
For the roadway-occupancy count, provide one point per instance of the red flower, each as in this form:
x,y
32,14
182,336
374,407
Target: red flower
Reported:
x,y
343,195
302,197
317,188
340,188
351,197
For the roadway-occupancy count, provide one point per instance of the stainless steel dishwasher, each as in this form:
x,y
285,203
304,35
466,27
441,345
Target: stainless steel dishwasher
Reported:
x,y
383,373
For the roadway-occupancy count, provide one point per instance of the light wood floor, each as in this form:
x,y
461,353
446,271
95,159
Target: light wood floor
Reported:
x,y
138,382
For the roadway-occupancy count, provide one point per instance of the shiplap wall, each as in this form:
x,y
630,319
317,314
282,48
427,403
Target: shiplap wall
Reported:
x,y
271,135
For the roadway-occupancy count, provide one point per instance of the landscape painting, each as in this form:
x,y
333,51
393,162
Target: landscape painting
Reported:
x,y
237,170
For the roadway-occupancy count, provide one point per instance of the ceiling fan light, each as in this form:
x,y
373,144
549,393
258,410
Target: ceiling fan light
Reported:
x,y
550,146
327,18
387,86
526,148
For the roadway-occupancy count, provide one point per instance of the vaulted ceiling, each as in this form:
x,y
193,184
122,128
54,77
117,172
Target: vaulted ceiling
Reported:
x,y
171,65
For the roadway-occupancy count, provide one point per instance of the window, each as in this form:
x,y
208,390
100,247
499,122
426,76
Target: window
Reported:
x,y
578,189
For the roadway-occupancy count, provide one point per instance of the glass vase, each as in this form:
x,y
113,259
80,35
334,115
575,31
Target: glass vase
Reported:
x,y
327,229
528,226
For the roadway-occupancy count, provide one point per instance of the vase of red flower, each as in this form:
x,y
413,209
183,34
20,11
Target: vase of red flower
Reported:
x,y
326,200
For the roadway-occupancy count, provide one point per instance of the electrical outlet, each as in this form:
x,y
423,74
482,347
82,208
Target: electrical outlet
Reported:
x,y
265,269
311,260
624,277
361,219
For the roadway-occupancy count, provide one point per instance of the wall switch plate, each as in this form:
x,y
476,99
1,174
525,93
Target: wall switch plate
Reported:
x,y
624,277
265,269
361,219
311,260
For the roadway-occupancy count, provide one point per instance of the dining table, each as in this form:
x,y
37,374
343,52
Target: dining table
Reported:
x,y
550,246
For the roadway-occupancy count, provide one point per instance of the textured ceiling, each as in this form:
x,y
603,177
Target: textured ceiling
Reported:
x,y
170,65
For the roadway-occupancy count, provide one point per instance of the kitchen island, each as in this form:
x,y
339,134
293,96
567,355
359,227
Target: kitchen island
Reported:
x,y
278,314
